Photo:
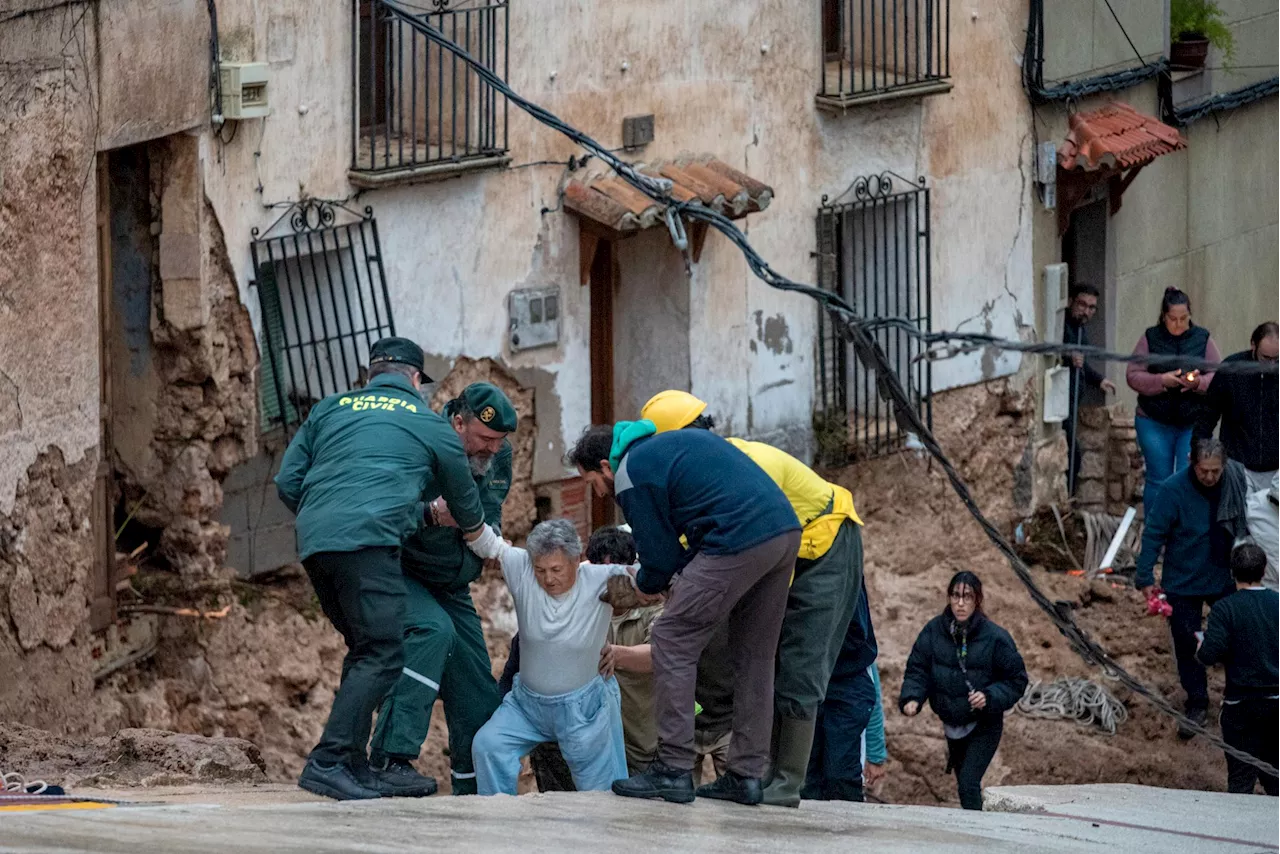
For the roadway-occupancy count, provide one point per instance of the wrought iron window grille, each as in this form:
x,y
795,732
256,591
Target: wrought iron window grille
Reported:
x,y
876,49
873,250
322,291
416,105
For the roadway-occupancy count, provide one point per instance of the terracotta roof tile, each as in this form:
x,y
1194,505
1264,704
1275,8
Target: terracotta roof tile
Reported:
x,y
1116,137
610,201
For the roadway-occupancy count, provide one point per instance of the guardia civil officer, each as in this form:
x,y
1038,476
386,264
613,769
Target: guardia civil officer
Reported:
x,y
356,475
444,649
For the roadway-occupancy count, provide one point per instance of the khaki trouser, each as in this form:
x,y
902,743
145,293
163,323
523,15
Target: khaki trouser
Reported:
x,y
750,589
715,745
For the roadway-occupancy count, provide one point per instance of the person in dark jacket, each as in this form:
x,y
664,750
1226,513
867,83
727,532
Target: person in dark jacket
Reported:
x,y
1170,400
969,670
444,648
1247,406
1075,330
1194,523
742,538
356,475
1242,635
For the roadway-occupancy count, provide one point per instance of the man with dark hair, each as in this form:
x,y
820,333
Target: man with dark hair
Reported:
x,y
1194,521
1082,307
1242,636
821,599
444,647
1246,403
356,475
742,538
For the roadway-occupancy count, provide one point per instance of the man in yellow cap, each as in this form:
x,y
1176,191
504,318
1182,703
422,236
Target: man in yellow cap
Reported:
x,y
823,595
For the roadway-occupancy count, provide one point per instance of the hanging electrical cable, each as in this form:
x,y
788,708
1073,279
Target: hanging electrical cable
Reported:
x,y
857,333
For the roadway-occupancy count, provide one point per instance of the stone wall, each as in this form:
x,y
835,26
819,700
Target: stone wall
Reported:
x,y
1111,465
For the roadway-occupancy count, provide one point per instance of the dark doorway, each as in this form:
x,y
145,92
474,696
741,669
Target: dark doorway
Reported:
x,y
604,282
126,269
1084,249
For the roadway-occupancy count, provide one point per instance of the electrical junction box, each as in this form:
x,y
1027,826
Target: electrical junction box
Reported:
x,y
637,131
1057,395
534,317
244,90
1047,167
1054,299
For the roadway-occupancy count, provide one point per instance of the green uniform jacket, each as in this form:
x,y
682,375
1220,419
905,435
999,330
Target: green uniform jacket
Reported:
x,y
438,557
361,465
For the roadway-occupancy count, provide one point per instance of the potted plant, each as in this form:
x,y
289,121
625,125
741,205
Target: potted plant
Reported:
x,y
1193,26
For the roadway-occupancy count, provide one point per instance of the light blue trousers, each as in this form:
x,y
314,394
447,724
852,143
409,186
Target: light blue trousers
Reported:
x,y
586,723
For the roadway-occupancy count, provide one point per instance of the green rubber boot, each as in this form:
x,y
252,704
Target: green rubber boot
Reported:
x,y
793,739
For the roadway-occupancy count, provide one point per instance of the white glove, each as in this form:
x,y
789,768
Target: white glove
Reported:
x,y
488,545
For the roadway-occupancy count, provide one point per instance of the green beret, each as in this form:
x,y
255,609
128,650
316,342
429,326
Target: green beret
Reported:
x,y
398,350
491,406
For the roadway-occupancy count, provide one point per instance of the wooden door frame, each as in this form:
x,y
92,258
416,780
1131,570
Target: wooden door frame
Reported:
x,y
604,278
102,600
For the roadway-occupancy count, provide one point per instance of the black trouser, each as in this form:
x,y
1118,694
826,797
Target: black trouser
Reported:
x,y
362,594
835,762
1186,620
970,756
1250,725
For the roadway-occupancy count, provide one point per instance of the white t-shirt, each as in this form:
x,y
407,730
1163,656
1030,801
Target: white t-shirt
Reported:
x,y
560,636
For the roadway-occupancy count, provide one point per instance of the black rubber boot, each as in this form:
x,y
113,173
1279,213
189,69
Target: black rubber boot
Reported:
x,y
337,781
660,781
395,777
1200,716
732,786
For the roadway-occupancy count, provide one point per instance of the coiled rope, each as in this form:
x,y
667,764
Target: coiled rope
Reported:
x,y
1081,700
14,782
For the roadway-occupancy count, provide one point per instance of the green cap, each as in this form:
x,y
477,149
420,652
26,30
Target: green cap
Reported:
x,y
491,406
398,350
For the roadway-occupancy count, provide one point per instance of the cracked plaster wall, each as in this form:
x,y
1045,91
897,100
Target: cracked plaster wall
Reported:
x,y
732,79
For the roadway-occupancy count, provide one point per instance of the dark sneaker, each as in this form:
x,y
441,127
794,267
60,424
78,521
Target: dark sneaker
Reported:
x,y
396,778
732,786
1200,716
660,781
335,781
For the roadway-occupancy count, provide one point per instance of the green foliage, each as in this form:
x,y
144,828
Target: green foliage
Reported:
x,y
1201,19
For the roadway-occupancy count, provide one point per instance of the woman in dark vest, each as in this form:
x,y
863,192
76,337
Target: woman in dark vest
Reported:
x,y
969,670
1170,400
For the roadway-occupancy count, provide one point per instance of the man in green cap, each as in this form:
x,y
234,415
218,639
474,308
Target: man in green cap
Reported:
x,y
444,648
356,475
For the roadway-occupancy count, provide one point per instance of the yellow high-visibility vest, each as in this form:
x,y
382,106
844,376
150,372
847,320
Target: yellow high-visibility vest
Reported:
x,y
821,507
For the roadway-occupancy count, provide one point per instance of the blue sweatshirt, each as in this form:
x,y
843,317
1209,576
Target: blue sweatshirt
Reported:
x,y
694,484
1179,526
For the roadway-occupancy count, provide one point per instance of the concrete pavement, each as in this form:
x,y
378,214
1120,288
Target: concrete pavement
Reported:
x,y
280,819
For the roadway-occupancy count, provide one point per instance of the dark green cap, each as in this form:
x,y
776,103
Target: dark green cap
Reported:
x,y
400,350
491,406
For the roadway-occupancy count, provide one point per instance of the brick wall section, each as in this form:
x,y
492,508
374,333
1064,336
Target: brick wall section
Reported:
x,y
567,499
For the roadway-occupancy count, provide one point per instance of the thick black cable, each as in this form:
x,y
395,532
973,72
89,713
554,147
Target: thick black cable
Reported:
x,y
868,351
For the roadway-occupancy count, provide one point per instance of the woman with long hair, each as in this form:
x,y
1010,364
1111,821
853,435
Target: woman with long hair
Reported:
x,y
1170,400
969,670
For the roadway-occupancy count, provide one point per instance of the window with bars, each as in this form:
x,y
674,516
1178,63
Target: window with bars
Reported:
x,y
874,252
324,301
417,107
875,49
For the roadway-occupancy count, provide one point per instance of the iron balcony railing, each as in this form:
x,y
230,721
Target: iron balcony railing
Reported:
x,y
875,47
874,252
415,104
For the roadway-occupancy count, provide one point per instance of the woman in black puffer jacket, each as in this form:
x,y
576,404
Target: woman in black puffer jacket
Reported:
x,y
969,670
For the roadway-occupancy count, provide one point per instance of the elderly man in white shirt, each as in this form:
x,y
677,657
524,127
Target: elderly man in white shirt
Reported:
x,y
558,694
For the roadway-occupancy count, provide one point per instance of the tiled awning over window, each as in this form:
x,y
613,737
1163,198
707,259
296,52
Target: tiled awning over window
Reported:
x,y
613,203
1116,137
